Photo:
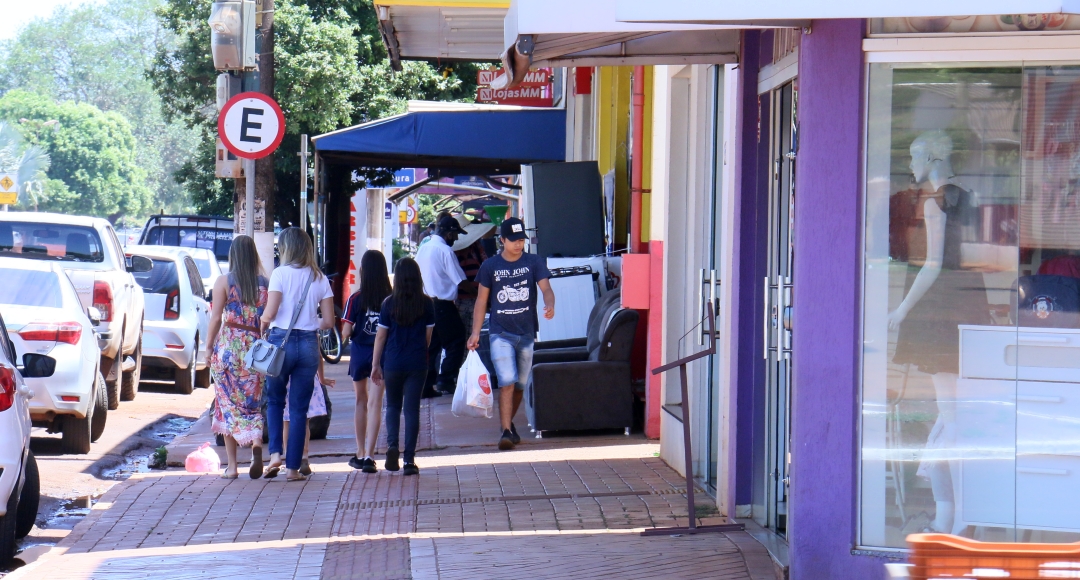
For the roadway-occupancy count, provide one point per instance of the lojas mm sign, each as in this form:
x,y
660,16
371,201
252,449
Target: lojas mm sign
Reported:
x,y
534,91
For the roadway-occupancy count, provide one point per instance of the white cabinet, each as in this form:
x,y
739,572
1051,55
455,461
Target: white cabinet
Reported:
x,y
1018,428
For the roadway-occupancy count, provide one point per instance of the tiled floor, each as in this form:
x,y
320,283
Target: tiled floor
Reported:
x,y
557,508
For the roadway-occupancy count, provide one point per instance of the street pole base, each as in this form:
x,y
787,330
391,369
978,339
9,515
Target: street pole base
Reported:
x,y
695,530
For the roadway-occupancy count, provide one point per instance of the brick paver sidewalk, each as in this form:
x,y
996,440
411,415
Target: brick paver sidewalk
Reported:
x,y
553,508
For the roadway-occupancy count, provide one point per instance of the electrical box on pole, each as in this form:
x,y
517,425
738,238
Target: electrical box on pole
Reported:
x,y
226,164
232,35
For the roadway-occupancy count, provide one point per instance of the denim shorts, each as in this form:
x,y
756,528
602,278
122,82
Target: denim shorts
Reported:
x,y
512,356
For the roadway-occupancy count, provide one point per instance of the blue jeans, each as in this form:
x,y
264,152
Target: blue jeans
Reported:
x,y
301,364
512,355
403,389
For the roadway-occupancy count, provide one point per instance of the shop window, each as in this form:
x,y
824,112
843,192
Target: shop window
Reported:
x,y
971,320
1008,23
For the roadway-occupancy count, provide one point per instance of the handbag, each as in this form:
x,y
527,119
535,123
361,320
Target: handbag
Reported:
x,y
266,357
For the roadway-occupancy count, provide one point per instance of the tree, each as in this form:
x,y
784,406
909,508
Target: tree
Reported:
x,y
98,54
27,163
331,72
92,153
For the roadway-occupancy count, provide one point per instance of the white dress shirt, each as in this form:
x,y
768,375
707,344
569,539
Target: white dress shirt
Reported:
x,y
440,268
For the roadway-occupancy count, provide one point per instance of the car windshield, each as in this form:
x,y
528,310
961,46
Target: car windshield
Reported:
x,y
29,288
204,267
216,240
159,280
50,241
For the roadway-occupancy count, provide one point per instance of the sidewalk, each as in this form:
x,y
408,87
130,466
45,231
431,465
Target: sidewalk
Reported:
x,y
557,507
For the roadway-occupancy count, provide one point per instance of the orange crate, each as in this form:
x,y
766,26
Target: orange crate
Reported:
x,y
946,556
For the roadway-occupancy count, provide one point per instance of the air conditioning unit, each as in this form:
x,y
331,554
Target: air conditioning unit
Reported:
x,y
232,35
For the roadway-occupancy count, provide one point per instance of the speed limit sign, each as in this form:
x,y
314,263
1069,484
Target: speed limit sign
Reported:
x,y
251,125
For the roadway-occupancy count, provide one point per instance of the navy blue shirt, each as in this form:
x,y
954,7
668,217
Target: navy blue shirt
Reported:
x,y
365,322
406,346
513,292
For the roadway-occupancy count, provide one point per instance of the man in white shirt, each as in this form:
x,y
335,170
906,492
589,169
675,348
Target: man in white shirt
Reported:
x,y
442,273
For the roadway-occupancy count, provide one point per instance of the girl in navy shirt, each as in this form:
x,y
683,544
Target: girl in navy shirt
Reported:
x,y
400,359
361,321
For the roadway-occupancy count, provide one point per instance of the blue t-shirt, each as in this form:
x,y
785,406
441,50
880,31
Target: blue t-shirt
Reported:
x,y
513,292
365,322
406,346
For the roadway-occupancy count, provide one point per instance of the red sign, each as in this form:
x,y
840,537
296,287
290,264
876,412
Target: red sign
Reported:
x,y
251,125
534,91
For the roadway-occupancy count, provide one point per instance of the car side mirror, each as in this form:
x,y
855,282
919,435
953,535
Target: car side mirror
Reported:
x,y
137,264
38,366
94,315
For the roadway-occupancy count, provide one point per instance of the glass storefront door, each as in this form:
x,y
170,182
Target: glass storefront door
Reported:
x,y
971,303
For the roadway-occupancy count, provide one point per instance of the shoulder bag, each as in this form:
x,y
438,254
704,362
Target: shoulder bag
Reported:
x,y
265,357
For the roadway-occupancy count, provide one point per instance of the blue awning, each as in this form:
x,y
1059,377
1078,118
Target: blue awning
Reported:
x,y
470,140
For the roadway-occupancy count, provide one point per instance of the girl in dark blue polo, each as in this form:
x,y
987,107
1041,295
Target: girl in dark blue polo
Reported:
x,y
400,359
361,321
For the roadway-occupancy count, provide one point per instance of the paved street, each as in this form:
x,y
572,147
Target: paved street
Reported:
x,y
553,508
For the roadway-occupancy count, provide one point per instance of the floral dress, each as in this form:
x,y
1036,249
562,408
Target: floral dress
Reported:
x,y
238,392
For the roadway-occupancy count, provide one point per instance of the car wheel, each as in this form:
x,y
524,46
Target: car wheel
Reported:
x,y
202,378
321,424
112,390
29,499
8,528
76,437
129,382
101,408
185,378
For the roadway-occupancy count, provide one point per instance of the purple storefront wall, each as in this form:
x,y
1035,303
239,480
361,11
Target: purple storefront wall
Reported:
x,y
828,200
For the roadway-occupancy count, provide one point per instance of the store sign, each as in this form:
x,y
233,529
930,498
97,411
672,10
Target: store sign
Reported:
x,y
535,91
404,177
471,181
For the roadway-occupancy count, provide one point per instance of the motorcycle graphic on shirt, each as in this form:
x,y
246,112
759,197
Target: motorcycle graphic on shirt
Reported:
x,y
512,294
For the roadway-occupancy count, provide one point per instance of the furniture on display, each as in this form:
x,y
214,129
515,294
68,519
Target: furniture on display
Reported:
x,y
577,349
577,291
1018,428
577,388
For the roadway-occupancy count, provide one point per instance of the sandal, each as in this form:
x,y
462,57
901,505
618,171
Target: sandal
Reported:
x,y
225,474
305,467
297,477
256,470
272,472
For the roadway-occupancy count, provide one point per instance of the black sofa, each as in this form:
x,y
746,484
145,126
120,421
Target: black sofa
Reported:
x,y
587,387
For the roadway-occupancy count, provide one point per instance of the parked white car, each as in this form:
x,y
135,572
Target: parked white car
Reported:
x,y
209,268
19,483
44,316
94,260
177,317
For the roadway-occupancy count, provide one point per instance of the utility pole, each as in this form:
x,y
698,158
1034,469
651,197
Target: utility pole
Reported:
x,y
265,181
303,182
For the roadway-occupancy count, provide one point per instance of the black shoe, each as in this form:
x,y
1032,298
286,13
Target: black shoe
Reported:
x,y
411,469
446,389
514,435
507,441
430,394
392,459
356,463
368,465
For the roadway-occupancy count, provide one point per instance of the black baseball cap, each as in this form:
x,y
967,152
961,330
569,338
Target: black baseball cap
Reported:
x,y
450,225
512,229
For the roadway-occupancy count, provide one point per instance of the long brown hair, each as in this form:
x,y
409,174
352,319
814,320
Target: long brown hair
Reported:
x,y
409,298
295,249
245,268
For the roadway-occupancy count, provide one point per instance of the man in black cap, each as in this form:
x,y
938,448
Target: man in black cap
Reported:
x,y
442,273
508,284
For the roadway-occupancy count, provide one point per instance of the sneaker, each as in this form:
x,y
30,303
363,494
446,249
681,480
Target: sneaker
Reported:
x,y
411,469
368,465
514,434
356,463
507,441
392,459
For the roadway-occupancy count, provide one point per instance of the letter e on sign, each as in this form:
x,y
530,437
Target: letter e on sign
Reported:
x,y
251,125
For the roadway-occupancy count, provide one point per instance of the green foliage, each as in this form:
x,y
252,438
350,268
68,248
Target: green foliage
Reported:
x,y
92,153
97,53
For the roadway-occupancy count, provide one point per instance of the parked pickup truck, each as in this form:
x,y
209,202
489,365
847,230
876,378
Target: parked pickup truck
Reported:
x,y
95,262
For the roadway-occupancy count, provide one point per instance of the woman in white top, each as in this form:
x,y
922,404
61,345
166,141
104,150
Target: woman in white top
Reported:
x,y
287,284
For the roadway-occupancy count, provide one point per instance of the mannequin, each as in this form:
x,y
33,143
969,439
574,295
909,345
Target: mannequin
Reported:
x,y
941,297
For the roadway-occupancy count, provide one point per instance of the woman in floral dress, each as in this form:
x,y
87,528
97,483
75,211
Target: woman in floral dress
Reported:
x,y
238,301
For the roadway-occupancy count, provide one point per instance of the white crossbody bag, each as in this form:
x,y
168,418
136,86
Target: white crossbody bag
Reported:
x,y
265,357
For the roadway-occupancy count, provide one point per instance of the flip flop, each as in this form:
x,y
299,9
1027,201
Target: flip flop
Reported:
x,y
272,472
300,477
225,474
305,467
256,470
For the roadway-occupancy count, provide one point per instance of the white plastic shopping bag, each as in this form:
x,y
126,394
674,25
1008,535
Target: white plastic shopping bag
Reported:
x,y
473,398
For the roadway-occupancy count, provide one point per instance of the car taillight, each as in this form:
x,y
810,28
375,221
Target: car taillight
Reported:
x,y
103,299
7,387
172,305
68,332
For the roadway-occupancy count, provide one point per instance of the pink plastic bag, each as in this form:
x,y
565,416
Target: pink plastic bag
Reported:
x,y
202,460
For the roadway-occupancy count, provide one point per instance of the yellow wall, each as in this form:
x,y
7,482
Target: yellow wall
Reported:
x,y
613,101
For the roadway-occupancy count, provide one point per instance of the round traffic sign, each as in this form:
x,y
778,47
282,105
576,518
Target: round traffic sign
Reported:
x,y
251,125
